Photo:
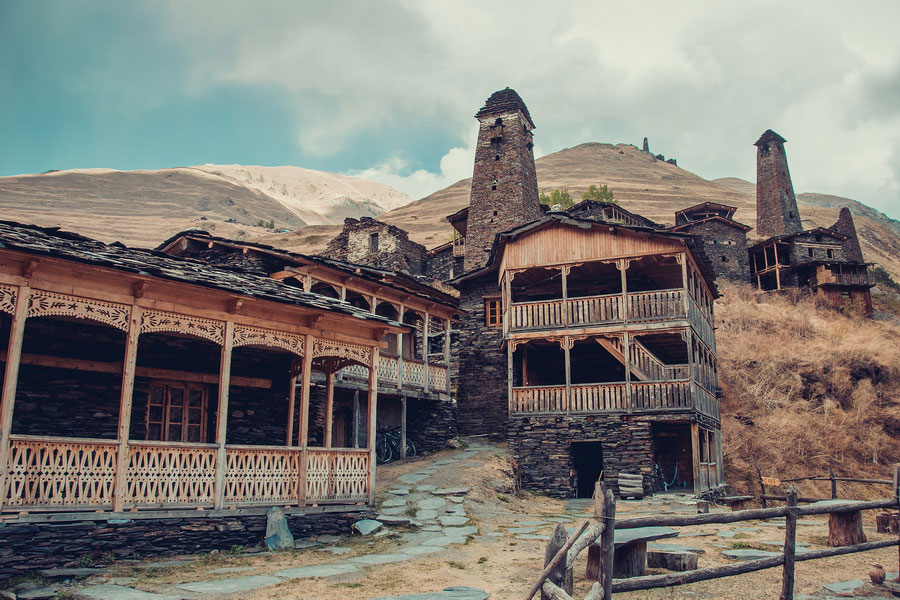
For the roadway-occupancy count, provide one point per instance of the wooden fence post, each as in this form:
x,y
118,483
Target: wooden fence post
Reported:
x,y
557,542
833,483
790,539
607,544
762,486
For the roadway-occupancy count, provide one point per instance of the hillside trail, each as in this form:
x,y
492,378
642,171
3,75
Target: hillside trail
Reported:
x,y
470,533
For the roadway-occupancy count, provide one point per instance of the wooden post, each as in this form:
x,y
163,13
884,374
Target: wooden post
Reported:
x,y
509,376
400,350
762,486
833,483
292,402
567,345
303,433
896,501
125,400
10,381
607,544
564,271
626,351
790,540
329,407
372,415
402,427
356,419
447,352
557,542
222,413
695,455
623,266
425,345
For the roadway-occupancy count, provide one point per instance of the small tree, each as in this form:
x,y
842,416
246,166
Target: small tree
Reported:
x,y
561,197
598,194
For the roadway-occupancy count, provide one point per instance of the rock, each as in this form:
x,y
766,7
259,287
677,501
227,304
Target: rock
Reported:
x,y
278,534
337,550
426,515
844,587
367,526
450,593
748,554
109,591
431,503
530,523
521,529
399,491
304,544
230,586
71,573
459,531
394,510
417,550
444,541
675,548
317,571
448,520
328,538
456,499
380,559
672,560
411,479
426,488
40,593
457,491
532,536
225,570
393,520
393,502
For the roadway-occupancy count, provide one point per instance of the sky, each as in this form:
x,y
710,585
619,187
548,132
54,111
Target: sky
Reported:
x,y
387,89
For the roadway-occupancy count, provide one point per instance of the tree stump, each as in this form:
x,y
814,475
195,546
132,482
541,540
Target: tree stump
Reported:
x,y
887,523
845,529
672,560
630,560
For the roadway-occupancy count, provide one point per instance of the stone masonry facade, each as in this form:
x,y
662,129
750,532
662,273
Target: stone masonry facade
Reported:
x,y
724,245
776,205
366,241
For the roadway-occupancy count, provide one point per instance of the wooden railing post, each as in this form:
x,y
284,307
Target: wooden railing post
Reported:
x,y
400,336
567,349
372,421
833,483
626,355
222,413
329,407
790,540
403,427
425,346
607,544
125,401
10,382
557,575
303,433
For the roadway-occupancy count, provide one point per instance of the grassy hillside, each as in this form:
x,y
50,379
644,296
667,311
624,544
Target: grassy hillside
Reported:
x,y
807,388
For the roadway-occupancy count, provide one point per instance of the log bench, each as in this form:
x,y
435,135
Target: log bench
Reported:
x,y
736,502
630,558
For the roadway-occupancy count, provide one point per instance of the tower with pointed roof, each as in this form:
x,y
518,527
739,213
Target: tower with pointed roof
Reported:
x,y
504,184
776,205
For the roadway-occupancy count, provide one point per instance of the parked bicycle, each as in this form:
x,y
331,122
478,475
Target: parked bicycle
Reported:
x,y
387,445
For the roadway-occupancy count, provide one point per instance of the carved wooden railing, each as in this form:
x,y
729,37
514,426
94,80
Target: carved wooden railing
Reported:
x,y
437,377
388,369
170,473
595,309
60,472
413,372
256,474
536,315
337,475
658,305
652,367
701,324
600,397
850,278
706,402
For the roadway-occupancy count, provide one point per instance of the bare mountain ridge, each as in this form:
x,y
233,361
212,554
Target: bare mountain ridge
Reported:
x,y
141,208
641,183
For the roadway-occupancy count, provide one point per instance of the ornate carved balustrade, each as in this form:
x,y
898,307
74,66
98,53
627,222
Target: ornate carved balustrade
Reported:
x,y
603,397
168,473
337,475
259,474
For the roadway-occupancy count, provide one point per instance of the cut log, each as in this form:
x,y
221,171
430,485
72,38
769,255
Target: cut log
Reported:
x,y
630,560
887,523
845,529
672,560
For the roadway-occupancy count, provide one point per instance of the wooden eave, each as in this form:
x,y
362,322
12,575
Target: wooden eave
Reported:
x,y
65,276
723,220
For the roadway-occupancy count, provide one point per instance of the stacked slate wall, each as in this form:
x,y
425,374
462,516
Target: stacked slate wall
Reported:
x,y
726,248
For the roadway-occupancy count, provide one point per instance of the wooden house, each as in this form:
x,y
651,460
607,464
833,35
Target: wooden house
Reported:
x,y
140,384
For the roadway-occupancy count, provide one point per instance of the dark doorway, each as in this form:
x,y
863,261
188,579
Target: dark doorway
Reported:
x,y
672,456
587,458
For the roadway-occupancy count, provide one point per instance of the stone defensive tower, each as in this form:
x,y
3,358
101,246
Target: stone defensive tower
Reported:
x,y
776,205
845,226
504,185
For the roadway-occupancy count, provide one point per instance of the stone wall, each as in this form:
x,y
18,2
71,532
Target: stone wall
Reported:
x,y
442,265
28,547
725,246
431,424
481,387
395,251
801,244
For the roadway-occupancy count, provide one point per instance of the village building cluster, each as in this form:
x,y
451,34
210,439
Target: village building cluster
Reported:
x,y
167,398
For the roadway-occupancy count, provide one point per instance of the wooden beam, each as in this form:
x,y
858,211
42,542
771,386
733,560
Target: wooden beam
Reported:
x,y
372,422
10,381
125,402
222,413
292,401
96,366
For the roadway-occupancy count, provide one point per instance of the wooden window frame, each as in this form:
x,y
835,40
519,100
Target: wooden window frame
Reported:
x,y
166,423
493,311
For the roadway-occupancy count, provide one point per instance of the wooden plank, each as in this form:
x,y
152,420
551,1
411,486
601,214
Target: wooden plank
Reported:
x,y
222,413
125,402
10,382
78,364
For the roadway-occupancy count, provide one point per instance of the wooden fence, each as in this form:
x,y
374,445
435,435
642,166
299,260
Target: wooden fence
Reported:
x,y
556,581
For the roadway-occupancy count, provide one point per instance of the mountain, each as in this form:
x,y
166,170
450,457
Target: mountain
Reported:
x,y
642,184
141,208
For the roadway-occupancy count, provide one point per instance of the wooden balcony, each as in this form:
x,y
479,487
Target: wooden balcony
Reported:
x,y
415,375
646,396
45,473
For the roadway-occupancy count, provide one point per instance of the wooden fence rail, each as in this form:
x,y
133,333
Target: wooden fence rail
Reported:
x,y
556,583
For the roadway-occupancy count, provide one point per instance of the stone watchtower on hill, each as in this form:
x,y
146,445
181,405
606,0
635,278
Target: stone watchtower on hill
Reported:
x,y
504,184
845,226
776,205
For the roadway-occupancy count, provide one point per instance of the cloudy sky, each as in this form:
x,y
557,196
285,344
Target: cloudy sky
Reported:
x,y
387,88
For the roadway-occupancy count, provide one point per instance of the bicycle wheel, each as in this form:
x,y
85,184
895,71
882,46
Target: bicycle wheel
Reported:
x,y
383,452
410,449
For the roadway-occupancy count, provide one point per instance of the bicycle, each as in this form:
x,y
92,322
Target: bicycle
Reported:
x,y
387,445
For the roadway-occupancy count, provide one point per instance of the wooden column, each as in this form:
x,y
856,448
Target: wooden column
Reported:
x,y
125,401
695,455
402,427
356,419
564,272
509,376
425,345
626,350
400,316
343,293
329,407
10,381
222,413
292,403
303,433
372,422
623,267
682,258
447,351
567,345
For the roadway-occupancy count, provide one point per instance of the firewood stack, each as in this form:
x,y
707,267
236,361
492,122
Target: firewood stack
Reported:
x,y
631,485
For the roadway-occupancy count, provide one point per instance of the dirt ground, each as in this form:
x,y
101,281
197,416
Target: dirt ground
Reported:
x,y
505,565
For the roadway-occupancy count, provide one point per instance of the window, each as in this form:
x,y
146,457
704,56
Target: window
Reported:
x,y
373,242
176,412
724,259
810,251
830,253
492,312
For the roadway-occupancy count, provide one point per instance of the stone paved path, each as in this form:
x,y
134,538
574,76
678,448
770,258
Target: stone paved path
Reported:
x,y
440,517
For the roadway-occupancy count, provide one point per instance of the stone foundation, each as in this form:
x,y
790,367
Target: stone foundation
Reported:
x,y
32,546
430,423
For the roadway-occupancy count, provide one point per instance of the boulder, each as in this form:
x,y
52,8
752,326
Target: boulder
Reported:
x,y
278,534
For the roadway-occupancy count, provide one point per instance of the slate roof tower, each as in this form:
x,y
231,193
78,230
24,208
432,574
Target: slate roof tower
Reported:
x,y
776,205
845,226
504,184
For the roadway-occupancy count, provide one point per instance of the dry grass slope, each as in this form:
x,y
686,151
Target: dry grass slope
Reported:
x,y
807,388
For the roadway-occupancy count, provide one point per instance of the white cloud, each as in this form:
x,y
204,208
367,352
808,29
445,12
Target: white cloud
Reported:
x,y
701,79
